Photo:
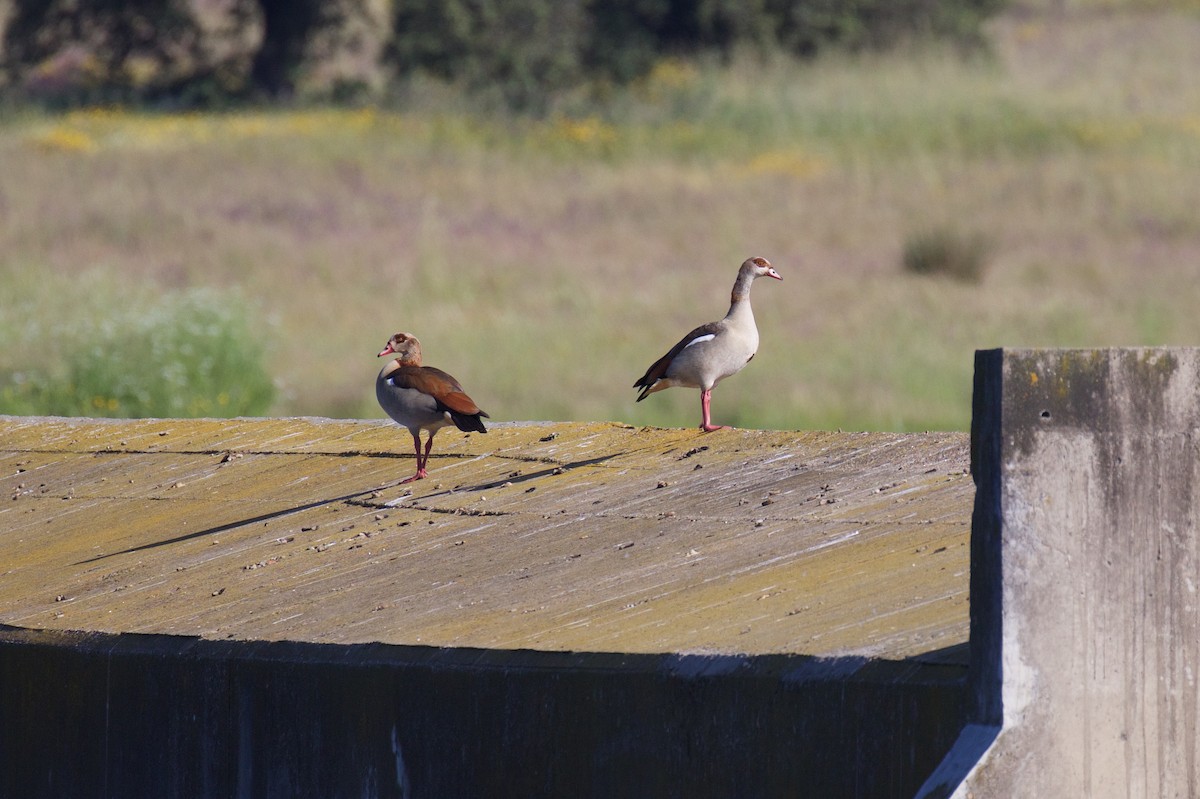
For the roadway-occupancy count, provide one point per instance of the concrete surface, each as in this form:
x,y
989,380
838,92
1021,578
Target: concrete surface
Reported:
x,y
1085,631
557,537
256,608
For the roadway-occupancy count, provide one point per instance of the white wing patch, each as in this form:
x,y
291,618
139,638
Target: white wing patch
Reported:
x,y
698,339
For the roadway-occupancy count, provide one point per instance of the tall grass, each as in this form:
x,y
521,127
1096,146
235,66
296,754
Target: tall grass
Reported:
x,y
546,262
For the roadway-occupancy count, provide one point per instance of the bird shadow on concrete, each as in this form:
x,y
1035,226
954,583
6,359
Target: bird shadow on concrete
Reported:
x,y
517,479
221,528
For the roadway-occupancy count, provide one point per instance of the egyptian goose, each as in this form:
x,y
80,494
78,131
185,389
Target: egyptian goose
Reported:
x,y
714,351
422,397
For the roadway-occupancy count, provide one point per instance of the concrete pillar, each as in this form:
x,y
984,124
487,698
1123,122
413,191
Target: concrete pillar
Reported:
x,y
1085,631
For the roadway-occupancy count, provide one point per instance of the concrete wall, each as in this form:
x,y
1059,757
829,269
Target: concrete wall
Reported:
x,y
152,715
1085,629
1085,650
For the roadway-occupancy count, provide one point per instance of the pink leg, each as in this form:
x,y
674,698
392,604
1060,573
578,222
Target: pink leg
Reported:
x,y
425,460
708,426
420,461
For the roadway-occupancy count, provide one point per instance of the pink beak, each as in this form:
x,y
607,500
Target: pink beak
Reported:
x,y
386,350
772,273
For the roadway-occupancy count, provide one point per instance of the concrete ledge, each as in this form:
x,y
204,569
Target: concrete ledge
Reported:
x,y
534,536
255,607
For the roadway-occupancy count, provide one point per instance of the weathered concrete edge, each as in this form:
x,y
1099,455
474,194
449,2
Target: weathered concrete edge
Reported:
x,y
168,715
792,669
985,711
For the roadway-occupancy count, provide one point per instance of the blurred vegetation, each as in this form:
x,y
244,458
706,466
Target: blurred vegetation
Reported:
x,y
546,260
523,53
529,51
182,354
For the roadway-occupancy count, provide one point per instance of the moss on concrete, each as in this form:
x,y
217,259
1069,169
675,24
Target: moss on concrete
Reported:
x,y
596,537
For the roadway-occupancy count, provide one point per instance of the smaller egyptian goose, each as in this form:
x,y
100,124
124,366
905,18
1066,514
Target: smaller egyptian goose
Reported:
x,y
713,351
422,397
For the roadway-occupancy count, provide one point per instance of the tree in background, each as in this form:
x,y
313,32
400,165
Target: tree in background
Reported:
x,y
208,52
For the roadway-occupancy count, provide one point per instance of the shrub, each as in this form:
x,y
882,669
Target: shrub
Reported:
x,y
524,50
805,26
945,251
528,50
193,354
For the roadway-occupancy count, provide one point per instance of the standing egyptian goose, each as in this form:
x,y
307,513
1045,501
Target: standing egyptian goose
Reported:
x,y
422,397
713,351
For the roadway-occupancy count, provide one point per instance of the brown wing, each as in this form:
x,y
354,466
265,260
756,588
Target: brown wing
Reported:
x,y
430,380
659,367
446,392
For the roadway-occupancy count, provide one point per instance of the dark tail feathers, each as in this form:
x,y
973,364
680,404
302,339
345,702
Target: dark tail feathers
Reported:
x,y
469,424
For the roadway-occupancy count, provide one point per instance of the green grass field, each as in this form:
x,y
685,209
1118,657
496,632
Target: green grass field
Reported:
x,y
547,263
